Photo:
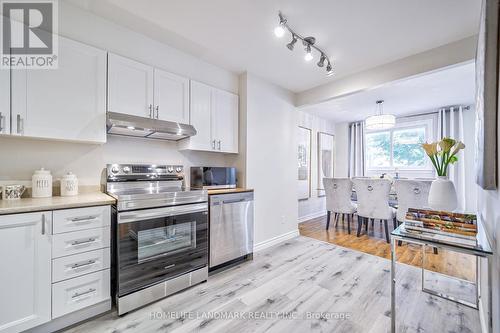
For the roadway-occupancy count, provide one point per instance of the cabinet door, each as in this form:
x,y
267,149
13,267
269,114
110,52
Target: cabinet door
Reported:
x,y
130,86
171,97
201,97
67,103
225,121
4,101
25,281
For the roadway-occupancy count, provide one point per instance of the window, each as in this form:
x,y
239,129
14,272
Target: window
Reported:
x,y
399,147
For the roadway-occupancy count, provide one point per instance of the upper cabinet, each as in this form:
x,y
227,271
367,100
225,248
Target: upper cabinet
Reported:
x,y
214,114
67,103
130,86
141,90
171,97
4,101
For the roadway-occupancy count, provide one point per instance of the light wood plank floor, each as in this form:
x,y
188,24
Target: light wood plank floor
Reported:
x,y
302,285
450,263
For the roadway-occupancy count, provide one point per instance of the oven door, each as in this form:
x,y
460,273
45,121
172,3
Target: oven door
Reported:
x,y
158,244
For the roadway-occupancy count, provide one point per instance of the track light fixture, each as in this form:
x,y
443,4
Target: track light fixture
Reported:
x,y
292,43
308,43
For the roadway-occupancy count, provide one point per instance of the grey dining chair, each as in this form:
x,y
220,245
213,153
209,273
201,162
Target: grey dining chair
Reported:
x,y
373,203
338,200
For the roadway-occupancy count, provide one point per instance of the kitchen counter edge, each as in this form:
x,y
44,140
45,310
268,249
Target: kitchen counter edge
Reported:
x,y
29,205
229,190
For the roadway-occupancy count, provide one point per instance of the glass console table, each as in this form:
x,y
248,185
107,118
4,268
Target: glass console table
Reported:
x,y
481,248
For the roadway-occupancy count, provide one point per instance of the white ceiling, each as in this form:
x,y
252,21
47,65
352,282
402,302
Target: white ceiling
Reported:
x,y
238,34
451,86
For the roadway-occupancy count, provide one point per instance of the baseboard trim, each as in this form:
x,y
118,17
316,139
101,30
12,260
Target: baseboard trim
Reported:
x,y
275,240
312,216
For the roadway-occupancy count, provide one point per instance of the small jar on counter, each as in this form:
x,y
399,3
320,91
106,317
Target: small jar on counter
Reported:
x,y
69,185
41,184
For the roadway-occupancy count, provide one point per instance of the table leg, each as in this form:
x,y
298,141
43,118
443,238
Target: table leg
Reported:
x,y
393,285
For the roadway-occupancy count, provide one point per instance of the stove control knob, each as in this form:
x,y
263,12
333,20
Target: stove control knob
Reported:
x,y
170,169
115,169
126,169
178,169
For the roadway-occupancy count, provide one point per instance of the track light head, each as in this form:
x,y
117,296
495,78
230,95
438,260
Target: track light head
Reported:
x,y
321,61
329,70
292,43
279,31
308,56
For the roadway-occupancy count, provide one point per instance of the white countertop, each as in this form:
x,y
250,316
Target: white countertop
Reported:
x,y
26,205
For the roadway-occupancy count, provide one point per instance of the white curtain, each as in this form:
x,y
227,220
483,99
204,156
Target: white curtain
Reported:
x,y
451,124
356,149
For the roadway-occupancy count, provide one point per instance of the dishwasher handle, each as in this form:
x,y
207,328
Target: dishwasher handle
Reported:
x,y
231,198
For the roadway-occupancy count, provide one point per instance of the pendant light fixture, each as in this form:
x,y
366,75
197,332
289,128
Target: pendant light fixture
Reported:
x,y
380,120
308,42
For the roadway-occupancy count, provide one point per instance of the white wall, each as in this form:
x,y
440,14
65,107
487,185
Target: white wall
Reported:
x,y
315,205
20,157
83,26
270,152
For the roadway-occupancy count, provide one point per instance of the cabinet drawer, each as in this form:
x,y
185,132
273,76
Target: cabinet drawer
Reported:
x,y
80,241
78,293
79,264
68,220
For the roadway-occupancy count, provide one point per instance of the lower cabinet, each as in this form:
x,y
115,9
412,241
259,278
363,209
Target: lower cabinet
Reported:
x,y
52,264
25,278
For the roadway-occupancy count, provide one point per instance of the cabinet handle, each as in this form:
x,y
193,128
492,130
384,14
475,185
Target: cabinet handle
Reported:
x,y
90,262
91,290
20,124
83,219
90,240
213,144
157,112
150,110
218,145
1,122
43,224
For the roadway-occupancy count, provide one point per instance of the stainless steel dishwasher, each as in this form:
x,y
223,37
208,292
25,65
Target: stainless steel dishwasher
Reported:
x,y
231,227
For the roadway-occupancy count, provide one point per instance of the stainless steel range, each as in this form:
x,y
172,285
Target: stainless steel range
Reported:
x,y
160,233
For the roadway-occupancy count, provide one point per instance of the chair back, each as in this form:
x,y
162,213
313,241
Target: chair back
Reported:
x,y
411,194
338,194
373,198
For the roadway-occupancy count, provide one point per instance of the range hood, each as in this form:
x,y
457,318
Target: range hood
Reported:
x,y
128,125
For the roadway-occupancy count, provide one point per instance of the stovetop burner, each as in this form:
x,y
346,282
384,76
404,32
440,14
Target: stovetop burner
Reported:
x,y
138,186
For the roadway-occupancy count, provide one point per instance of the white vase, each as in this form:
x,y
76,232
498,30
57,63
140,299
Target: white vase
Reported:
x,y
442,195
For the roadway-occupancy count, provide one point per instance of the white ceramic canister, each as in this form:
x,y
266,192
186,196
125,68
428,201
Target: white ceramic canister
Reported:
x,y
69,185
41,184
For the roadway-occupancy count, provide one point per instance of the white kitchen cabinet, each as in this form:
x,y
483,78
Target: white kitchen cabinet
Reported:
x,y
4,101
200,106
67,103
225,123
130,86
171,97
141,90
214,115
25,281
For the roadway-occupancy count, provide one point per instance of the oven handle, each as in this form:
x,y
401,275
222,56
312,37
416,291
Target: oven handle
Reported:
x,y
141,215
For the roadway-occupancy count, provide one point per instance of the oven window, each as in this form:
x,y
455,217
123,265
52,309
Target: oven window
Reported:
x,y
165,240
156,249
